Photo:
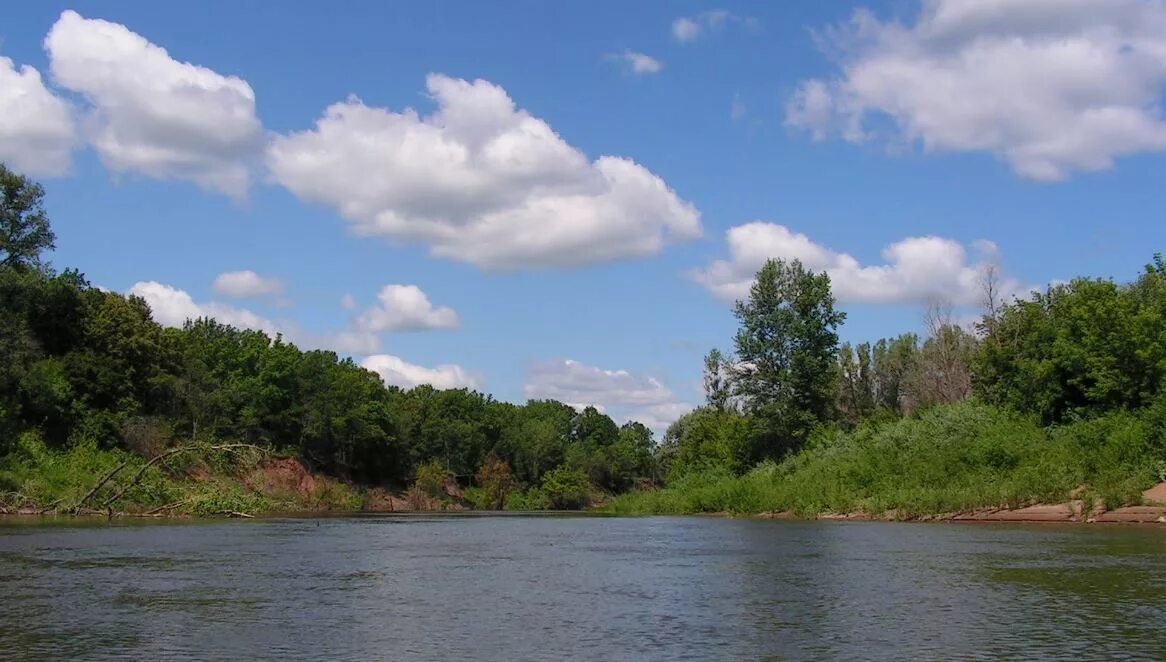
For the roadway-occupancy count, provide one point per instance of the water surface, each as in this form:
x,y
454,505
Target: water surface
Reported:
x,y
511,588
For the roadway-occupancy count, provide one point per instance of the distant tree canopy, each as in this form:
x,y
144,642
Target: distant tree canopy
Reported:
x,y
82,365
1079,350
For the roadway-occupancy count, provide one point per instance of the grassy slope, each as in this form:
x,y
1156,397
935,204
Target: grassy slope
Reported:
x,y
950,459
204,483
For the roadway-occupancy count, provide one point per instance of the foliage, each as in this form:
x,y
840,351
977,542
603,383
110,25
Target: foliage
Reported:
x,y
717,388
431,479
47,479
565,489
706,438
786,353
87,369
1078,349
952,458
89,382
24,226
494,480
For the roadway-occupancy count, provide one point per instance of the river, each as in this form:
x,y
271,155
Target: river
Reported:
x,y
589,588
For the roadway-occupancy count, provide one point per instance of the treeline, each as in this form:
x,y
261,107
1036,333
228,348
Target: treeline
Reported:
x,y
80,366
1055,394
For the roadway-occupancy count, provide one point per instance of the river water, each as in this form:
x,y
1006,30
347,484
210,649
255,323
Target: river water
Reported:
x,y
554,588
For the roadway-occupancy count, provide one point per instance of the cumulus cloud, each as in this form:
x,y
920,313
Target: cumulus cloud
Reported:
x,y
687,29
395,371
406,308
152,114
480,181
348,302
173,307
637,63
619,393
917,269
1049,86
658,417
246,284
37,135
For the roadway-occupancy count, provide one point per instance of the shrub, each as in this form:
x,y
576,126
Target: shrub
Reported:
x,y
566,489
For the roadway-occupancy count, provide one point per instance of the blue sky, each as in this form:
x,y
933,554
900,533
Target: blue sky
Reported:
x,y
883,142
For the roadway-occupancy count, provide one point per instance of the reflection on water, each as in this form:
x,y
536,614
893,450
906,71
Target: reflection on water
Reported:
x,y
580,588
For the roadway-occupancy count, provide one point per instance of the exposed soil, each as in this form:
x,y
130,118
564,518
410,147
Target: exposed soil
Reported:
x,y
283,475
1152,512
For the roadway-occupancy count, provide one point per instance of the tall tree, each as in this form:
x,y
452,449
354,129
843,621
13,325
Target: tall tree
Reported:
x,y
24,225
894,360
716,382
787,346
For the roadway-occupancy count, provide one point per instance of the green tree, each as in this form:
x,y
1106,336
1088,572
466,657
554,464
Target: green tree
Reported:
x,y
856,394
24,225
707,438
717,389
1078,349
787,348
566,489
893,360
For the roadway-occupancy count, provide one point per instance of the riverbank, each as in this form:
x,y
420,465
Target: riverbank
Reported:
x,y
1151,511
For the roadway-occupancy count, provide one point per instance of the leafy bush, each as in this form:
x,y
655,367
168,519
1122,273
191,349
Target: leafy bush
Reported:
x,y
531,499
40,477
952,458
565,489
431,479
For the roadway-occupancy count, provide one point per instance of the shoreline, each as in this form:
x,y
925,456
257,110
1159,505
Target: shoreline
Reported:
x,y
1071,512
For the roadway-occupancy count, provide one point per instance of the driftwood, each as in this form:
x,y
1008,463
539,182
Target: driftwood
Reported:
x,y
106,505
234,513
170,506
100,484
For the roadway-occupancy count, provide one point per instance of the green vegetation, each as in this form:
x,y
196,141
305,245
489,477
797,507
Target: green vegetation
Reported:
x,y
1055,397
102,409
949,459
89,382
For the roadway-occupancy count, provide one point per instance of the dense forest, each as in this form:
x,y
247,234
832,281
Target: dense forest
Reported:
x,y
1057,393
85,371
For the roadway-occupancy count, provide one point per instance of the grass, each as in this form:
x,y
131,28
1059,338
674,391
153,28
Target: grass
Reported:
x,y
950,459
34,477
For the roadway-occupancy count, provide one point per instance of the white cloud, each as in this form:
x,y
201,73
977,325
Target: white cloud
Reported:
x,y
37,135
623,395
348,302
658,417
152,114
479,181
916,269
406,308
687,29
246,284
637,63
738,110
395,371
346,343
1048,86
173,307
